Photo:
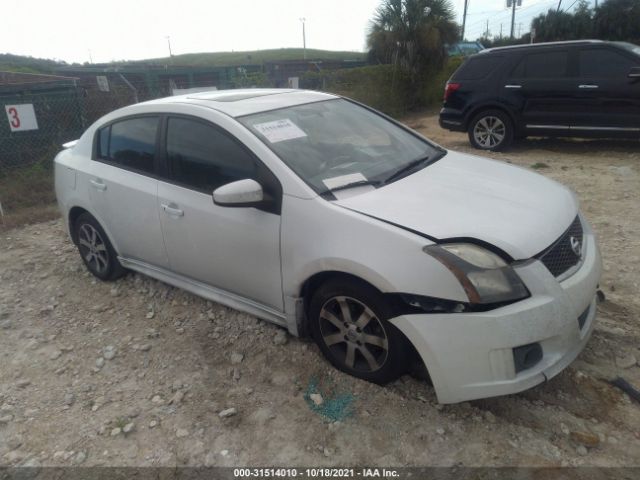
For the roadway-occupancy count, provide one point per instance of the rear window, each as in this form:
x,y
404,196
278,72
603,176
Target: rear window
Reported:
x,y
477,68
542,65
130,143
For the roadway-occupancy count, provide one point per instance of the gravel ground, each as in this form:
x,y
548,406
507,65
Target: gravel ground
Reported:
x,y
138,373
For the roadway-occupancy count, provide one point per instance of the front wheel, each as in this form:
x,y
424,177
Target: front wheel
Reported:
x,y
349,324
491,130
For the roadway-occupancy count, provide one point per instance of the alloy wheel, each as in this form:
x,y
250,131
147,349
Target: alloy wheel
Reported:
x,y
489,132
353,334
92,248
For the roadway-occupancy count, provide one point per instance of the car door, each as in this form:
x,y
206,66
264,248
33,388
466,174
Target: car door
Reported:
x,y
230,248
606,91
541,91
123,187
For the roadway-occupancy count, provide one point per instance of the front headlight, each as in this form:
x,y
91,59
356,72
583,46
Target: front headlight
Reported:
x,y
485,277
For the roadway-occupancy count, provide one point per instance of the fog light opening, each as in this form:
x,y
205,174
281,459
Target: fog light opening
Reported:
x,y
527,356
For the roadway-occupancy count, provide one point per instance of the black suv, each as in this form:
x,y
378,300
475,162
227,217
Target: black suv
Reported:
x,y
578,89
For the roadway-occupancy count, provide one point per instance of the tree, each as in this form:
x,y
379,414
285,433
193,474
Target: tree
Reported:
x,y
412,34
618,20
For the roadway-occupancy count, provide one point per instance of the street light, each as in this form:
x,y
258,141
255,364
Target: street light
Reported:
x,y
169,43
304,39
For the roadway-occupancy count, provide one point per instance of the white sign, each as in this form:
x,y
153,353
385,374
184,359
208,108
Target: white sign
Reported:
x,y
342,180
103,83
279,130
21,117
294,82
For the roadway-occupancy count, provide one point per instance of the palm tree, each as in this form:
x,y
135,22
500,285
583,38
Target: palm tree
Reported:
x,y
412,34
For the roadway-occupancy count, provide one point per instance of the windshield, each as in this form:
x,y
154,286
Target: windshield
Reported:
x,y
630,46
335,143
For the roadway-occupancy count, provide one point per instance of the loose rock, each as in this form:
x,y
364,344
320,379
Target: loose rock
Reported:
x,y
229,412
587,439
236,358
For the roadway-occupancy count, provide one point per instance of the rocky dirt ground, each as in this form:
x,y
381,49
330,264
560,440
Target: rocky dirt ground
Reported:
x,y
139,373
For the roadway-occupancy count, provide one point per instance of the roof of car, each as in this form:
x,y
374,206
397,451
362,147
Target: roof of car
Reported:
x,y
237,103
539,45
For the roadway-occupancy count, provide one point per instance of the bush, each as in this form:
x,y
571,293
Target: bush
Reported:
x,y
433,90
384,87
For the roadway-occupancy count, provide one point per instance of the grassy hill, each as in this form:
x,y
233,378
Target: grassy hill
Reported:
x,y
19,63
215,59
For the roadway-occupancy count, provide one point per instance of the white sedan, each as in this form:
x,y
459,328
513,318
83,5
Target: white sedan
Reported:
x,y
332,220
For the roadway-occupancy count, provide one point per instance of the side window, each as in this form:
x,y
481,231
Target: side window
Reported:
x,y
130,143
542,65
603,63
205,158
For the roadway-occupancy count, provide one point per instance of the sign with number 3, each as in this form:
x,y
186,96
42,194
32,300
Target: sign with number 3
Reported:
x,y
21,117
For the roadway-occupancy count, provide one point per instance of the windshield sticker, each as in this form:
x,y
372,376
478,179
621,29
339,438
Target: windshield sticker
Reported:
x,y
336,182
279,130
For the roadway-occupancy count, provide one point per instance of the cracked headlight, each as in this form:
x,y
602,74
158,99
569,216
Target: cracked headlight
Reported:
x,y
485,277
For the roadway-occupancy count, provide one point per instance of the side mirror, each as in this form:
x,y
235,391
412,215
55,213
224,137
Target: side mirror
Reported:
x,y
243,193
634,72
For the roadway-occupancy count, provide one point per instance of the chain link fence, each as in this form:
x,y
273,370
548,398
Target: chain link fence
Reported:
x,y
33,128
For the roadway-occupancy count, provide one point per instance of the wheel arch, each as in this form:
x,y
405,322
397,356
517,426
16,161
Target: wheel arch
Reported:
x,y
315,281
491,106
74,213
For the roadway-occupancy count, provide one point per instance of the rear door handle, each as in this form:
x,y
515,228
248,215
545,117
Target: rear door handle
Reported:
x,y
172,209
98,185
513,86
588,86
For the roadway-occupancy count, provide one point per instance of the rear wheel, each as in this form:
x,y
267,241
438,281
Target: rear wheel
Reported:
x,y
491,130
349,324
95,249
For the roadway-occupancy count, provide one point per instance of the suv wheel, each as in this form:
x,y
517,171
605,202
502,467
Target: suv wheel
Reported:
x,y
491,130
95,249
348,322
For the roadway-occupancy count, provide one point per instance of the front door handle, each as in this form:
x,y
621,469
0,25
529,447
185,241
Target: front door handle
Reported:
x,y
588,86
98,185
172,209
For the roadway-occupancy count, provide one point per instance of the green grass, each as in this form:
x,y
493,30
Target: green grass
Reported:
x,y
217,59
539,165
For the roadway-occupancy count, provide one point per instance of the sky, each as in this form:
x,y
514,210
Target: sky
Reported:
x,y
88,30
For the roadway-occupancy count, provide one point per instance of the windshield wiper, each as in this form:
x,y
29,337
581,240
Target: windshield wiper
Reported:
x,y
358,183
406,168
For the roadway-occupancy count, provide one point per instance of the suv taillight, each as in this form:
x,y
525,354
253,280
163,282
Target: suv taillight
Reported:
x,y
449,89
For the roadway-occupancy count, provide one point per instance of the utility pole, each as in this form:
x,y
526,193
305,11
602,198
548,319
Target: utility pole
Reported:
x,y
513,17
486,32
560,4
464,18
169,43
304,39
500,31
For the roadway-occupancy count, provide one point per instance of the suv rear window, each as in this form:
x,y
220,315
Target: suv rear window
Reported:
x,y
477,68
542,65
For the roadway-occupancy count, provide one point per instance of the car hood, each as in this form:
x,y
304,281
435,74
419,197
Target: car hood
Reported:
x,y
468,197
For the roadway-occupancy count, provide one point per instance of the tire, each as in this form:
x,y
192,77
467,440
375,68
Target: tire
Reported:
x,y
491,130
96,250
348,321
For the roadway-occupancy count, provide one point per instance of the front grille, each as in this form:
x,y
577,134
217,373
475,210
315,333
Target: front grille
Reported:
x,y
565,252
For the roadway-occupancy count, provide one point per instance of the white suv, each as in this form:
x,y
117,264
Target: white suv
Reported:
x,y
328,218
